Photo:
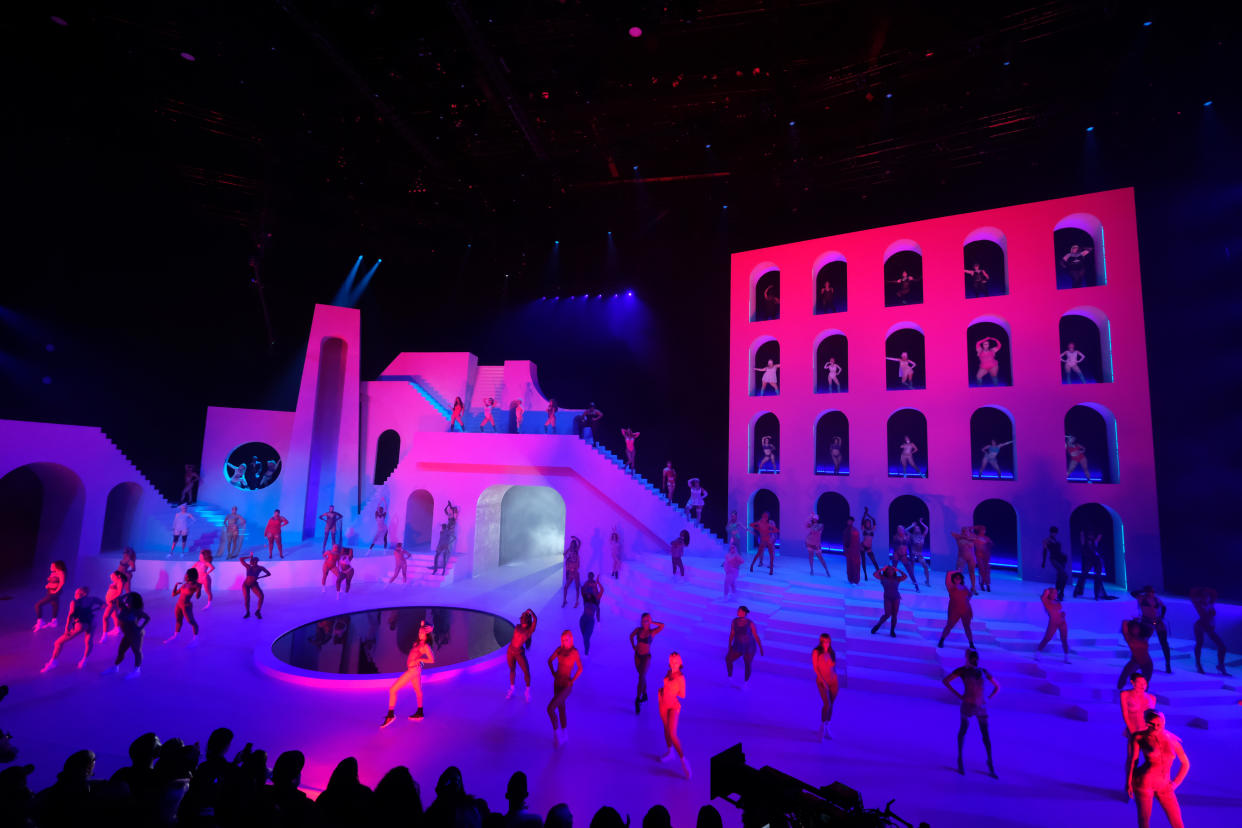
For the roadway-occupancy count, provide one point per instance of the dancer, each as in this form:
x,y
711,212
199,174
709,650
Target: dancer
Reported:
x,y
676,548
697,496
1153,612
901,554
614,551
905,369
400,558
191,480
1092,561
734,530
381,527
772,302
1150,781
986,350
978,280
743,642
128,566
185,592
974,704
918,537
732,566
834,454
769,378
451,512
571,576
57,574
983,556
1077,457
672,691
1056,621
1135,701
345,570
966,553
630,435
1137,634
905,287
1071,361
237,474
112,604
834,373
458,417
908,450
590,416
330,557
568,670
205,567
852,547
275,523
81,621
181,528
518,645
549,425
868,540
640,641
233,526
518,412
768,464
890,579
331,526
765,532
1060,561
827,298
489,403
419,655
592,595
1076,263
444,546
991,453
815,544
824,665
959,607
255,571
1204,601
133,620
269,473
670,479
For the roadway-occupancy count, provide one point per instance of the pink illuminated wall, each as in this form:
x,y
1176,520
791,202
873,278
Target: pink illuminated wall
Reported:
x,y
1037,400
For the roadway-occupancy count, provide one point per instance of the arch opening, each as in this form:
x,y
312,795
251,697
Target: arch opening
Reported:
x,y
120,517
765,436
833,510
832,444
912,513
41,508
766,301
519,523
907,444
903,278
988,354
1078,244
832,362
419,517
1102,527
325,432
764,500
908,372
985,267
991,440
999,521
387,455
1086,353
831,288
1090,444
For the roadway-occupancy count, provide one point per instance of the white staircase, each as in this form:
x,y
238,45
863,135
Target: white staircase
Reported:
x,y
489,381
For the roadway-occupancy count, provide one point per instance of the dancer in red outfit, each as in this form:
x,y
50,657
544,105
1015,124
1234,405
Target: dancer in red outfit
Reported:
x,y
966,554
330,557
1204,601
824,664
57,573
272,532
567,670
640,640
1056,621
205,567
852,545
488,419
743,642
459,411
185,592
518,645
983,557
400,556
672,691
254,571
765,531
571,575
1151,781
815,543
345,570
890,579
974,704
676,548
419,655
81,621
670,479
959,607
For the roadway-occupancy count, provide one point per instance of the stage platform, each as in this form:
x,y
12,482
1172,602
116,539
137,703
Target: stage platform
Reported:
x,y
1056,728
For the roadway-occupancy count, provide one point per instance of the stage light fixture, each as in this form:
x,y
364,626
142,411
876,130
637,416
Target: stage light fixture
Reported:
x,y
610,232
889,96
635,31
1207,103
724,206
1090,129
59,21
792,123
187,56
1146,23
707,146
1006,63
558,241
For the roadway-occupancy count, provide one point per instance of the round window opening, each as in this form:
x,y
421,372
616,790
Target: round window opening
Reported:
x,y
252,466
379,641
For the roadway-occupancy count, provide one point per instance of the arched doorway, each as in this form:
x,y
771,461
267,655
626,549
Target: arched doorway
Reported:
x,y
765,441
1078,243
905,342
983,261
767,298
520,523
120,517
991,436
387,455
832,430
988,356
903,424
903,277
764,500
325,432
832,356
1085,345
831,288
1090,437
911,512
1001,525
419,520
833,510
1093,518
41,509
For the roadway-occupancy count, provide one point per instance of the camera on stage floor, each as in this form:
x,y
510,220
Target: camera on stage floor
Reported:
x,y
768,797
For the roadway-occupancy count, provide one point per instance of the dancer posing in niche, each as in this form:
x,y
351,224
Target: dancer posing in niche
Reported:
x,y
133,621
983,557
567,670
640,641
772,302
769,378
1153,611
1135,701
868,540
966,554
1071,361
918,538
518,645
974,704
57,573
698,495
1092,561
181,528
549,424
592,595
128,566
979,279
732,566
905,369
670,479
614,551
852,546
1056,621
1204,601
345,570
81,621
743,643
458,417
590,417
331,526
834,374
834,454
112,604
824,665
400,559
271,532
381,527
1077,457
908,450
677,548
191,481
237,474
269,473
1060,561
419,655
827,298
672,691
254,571
234,524
1151,780
1137,634
571,577
959,607
1076,264
631,448
330,557
765,534
183,611
768,464
901,554
991,454
489,405
204,566
890,579
444,546
815,544
986,350
905,287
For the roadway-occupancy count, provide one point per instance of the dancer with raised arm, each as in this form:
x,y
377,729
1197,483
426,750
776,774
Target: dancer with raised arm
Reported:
x,y
918,538
743,643
549,424
991,457
57,573
959,607
185,592
133,621
669,479
489,419
868,540
974,704
640,641
590,418
851,544
566,666
631,448
765,532
768,378
901,554
516,654
592,595
191,480
676,548
1071,364
269,473
672,691
1092,561
986,350
128,566
331,526
419,655
698,496
330,558
1137,634
978,280
815,544
181,528
254,571
1204,601
772,302
905,369
1150,782
381,527
905,287
444,546
966,554
1056,621
890,579
237,474
732,566
1076,264
983,557
908,450
1060,561
458,416
81,621
1153,610
205,567
834,374
400,559
834,454
614,552
271,532
824,665
571,577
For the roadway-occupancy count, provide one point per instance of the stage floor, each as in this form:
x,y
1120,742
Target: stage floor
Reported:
x,y
1056,730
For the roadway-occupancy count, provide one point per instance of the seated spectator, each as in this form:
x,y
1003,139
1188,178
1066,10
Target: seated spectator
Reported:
x,y
517,816
559,816
709,817
346,801
453,807
657,817
398,800
607,817
68,802
16,799
281,804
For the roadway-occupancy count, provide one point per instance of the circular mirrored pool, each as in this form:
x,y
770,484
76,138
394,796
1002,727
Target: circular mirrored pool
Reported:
x,y
377,641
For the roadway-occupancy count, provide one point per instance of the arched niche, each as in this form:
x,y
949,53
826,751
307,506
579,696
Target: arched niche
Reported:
x,y
1085,342
325,432
765,441
831,285
764,500
518,523
832,351
1092,518
999,521
988,354
764,351
1078,244
984,264
419,517
41,508
908,510
765,300
120,517
905,338
833,510
387,455
903,274
832,429
989,425
907,423
1091,433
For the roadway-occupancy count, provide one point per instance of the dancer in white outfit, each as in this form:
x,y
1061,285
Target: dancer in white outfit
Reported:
x,y
905,368
834,372
1070,360
181,528
697,496
769,377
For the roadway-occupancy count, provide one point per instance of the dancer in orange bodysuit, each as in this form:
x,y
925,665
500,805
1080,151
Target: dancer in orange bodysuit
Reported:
x,y
185,592
518,645
419,655
1056,621
824,664
959,607
672,691
765,530
567,670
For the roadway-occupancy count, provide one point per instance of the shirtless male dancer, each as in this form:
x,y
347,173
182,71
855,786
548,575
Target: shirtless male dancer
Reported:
x,y
765,530
516,654
974,704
